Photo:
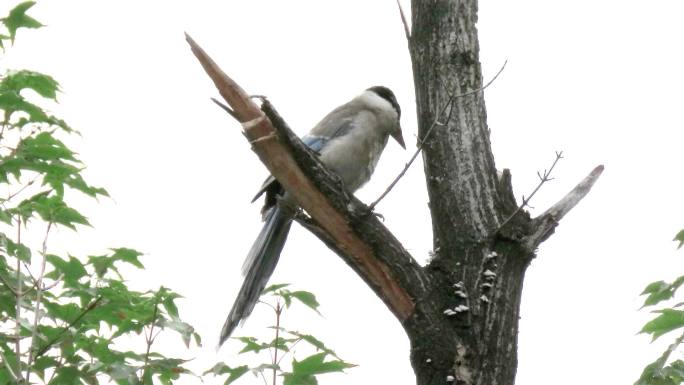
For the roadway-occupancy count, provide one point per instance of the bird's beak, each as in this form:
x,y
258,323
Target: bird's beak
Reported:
x,y
399,138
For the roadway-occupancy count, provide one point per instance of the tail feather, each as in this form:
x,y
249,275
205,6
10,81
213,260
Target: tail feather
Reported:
x,y
258,267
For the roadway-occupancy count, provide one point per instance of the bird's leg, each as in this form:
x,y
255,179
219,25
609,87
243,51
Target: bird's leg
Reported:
x,y
367,211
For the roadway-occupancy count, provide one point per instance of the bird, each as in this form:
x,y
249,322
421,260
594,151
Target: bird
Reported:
x,y
349,141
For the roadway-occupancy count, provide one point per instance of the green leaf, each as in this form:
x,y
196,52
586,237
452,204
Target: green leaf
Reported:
x,y
51,209
67,375
315,364
72,270
44,85
307,299
218,369
291,379
264,367
654,287
285,295
274,287
167,369
183,328
2,46
668,320
251,345
5,217
170,306
18,18
127,255
76,181
656,373
679,238
104,263
65,312
9,360
236,373
233,373
119,371
280,344
17,250
12,101
44,146
661,291
43,363
315,342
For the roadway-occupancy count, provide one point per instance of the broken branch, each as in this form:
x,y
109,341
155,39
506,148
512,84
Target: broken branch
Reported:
x,y
542,179
407,30
545,223
387,277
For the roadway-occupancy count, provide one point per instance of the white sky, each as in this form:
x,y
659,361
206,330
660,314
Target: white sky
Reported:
x,y
600,80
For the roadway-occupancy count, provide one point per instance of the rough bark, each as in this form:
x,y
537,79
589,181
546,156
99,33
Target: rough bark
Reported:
x,y
468,205
461,310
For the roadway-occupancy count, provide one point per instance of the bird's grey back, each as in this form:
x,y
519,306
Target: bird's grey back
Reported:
x,y
358,133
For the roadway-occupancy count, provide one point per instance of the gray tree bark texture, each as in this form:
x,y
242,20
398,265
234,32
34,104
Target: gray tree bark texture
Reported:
x,y
477,345
478,267
461,310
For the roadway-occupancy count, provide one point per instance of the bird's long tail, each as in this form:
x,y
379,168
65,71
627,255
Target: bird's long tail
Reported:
x,y
258,267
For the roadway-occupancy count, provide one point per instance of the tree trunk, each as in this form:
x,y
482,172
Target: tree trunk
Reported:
x,y
473,270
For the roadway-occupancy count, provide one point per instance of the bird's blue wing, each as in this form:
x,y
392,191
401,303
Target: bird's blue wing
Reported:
x,y
314,142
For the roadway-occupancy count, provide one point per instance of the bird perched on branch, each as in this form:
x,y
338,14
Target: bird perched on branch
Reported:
x,y
349,141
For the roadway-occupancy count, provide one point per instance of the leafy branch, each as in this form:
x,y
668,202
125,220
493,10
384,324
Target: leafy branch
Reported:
x,y
52,307
303,371
669,318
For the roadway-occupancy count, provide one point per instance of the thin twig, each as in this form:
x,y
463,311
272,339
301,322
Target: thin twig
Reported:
x,y
279,311
20,298
53,284
60,362
71,324
421,142
542,179
225,108
24,187
39,297
267,304
407,31
263,377
289,350
34,286
2,129
149,339
415,155
34,280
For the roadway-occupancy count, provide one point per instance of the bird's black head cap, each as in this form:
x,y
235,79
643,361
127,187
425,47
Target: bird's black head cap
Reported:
x,y
388,95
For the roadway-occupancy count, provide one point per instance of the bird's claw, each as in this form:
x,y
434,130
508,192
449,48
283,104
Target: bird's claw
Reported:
x,y
370,210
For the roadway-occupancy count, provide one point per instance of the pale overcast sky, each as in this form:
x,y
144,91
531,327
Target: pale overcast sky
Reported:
x,y
600,80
